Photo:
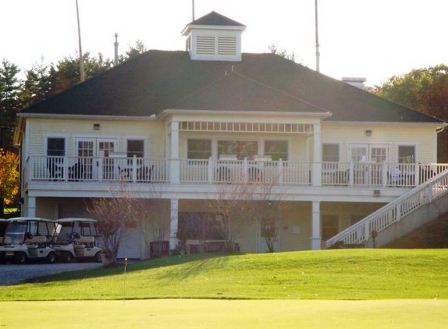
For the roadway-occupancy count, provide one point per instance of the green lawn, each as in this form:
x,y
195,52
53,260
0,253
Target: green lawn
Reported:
x,y
330,274
219,314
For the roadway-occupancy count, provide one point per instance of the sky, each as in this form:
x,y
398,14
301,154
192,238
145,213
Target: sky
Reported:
x,y
375,39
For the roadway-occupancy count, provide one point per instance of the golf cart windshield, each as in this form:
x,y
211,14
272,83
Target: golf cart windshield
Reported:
x,y
3,225
63,232
15,232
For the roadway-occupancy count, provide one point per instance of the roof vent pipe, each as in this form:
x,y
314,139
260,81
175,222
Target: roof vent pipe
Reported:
x,y
116,50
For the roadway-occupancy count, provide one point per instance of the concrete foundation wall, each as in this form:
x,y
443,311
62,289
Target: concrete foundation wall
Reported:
x,y
412,222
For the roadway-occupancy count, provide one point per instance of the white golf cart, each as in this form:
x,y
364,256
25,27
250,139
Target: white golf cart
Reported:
x,y
75,238
3,223
28,238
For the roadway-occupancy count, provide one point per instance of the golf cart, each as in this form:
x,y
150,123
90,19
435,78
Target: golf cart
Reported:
x,y
28,238
3,223
75,238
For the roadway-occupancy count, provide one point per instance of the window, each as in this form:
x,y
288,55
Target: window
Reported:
x,y
267,228
378,154
136,148
85,148
330,226
199,149
242,149
359,153
406,154
55,146
276,149
330,152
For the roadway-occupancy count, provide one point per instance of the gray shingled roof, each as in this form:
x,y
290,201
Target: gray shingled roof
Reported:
x,y
159,80
213,18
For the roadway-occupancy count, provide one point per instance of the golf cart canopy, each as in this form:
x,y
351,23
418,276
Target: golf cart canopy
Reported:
x,y
29,219
75,219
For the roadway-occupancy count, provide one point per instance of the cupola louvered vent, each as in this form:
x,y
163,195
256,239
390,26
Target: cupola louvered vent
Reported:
x,y
226,45
214,37
205,45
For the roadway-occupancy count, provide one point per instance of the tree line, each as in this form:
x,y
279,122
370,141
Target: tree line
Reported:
x,y
43,81
425,90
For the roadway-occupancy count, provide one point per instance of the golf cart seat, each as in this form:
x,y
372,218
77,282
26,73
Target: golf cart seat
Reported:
x,y
39,239
86,239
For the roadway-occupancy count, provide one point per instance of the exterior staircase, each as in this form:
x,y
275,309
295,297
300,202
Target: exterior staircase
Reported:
x,y
423,204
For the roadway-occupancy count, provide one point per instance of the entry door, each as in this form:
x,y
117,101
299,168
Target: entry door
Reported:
x,y
83,168
263,233
378,153
105,147
359,152
89,151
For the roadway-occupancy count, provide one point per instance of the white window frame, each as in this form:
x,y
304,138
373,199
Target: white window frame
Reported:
x,y
198,138
407,144
137,138
47,136
339,150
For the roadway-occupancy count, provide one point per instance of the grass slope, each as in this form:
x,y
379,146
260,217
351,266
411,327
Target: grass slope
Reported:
x,y
220,314
330,274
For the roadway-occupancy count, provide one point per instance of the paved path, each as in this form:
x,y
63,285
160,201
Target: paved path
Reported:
x,y
10,273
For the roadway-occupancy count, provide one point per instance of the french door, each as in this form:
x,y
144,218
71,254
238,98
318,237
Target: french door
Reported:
x,y
359,152
91,153
376,153
368,160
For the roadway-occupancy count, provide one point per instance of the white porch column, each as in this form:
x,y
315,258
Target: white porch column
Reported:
x,y
31,207
174,219
315,226
174,155
317,156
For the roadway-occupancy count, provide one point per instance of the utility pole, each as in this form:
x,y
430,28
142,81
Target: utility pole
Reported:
x,y
192,9
82,75
316,20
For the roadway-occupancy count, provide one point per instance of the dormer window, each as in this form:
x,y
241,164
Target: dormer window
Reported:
x,y
214,37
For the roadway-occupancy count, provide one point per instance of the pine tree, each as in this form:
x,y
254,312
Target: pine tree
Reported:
x,y
10,86
38,85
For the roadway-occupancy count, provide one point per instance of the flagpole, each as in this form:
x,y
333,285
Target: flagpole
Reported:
x,y
192,9
81,60
316,20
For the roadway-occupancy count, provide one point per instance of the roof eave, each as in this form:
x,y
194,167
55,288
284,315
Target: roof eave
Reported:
x,y
189,27
386,123
86,116
168,112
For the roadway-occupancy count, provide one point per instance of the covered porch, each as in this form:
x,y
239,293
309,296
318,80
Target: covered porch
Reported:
x,y
199,226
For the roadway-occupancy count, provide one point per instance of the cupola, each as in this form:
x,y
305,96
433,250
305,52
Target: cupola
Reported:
x,y
214,37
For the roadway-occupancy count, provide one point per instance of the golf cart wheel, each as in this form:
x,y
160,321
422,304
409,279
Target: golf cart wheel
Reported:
x,y
98,257
20,258
51,257
68,257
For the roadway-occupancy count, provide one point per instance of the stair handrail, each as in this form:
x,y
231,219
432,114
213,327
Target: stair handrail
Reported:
x,y
362,232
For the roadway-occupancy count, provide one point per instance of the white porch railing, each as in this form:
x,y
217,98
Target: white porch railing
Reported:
x,y
391,213
244,171
59,168
85,169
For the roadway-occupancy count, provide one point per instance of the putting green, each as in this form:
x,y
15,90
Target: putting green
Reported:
x,y
217,314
